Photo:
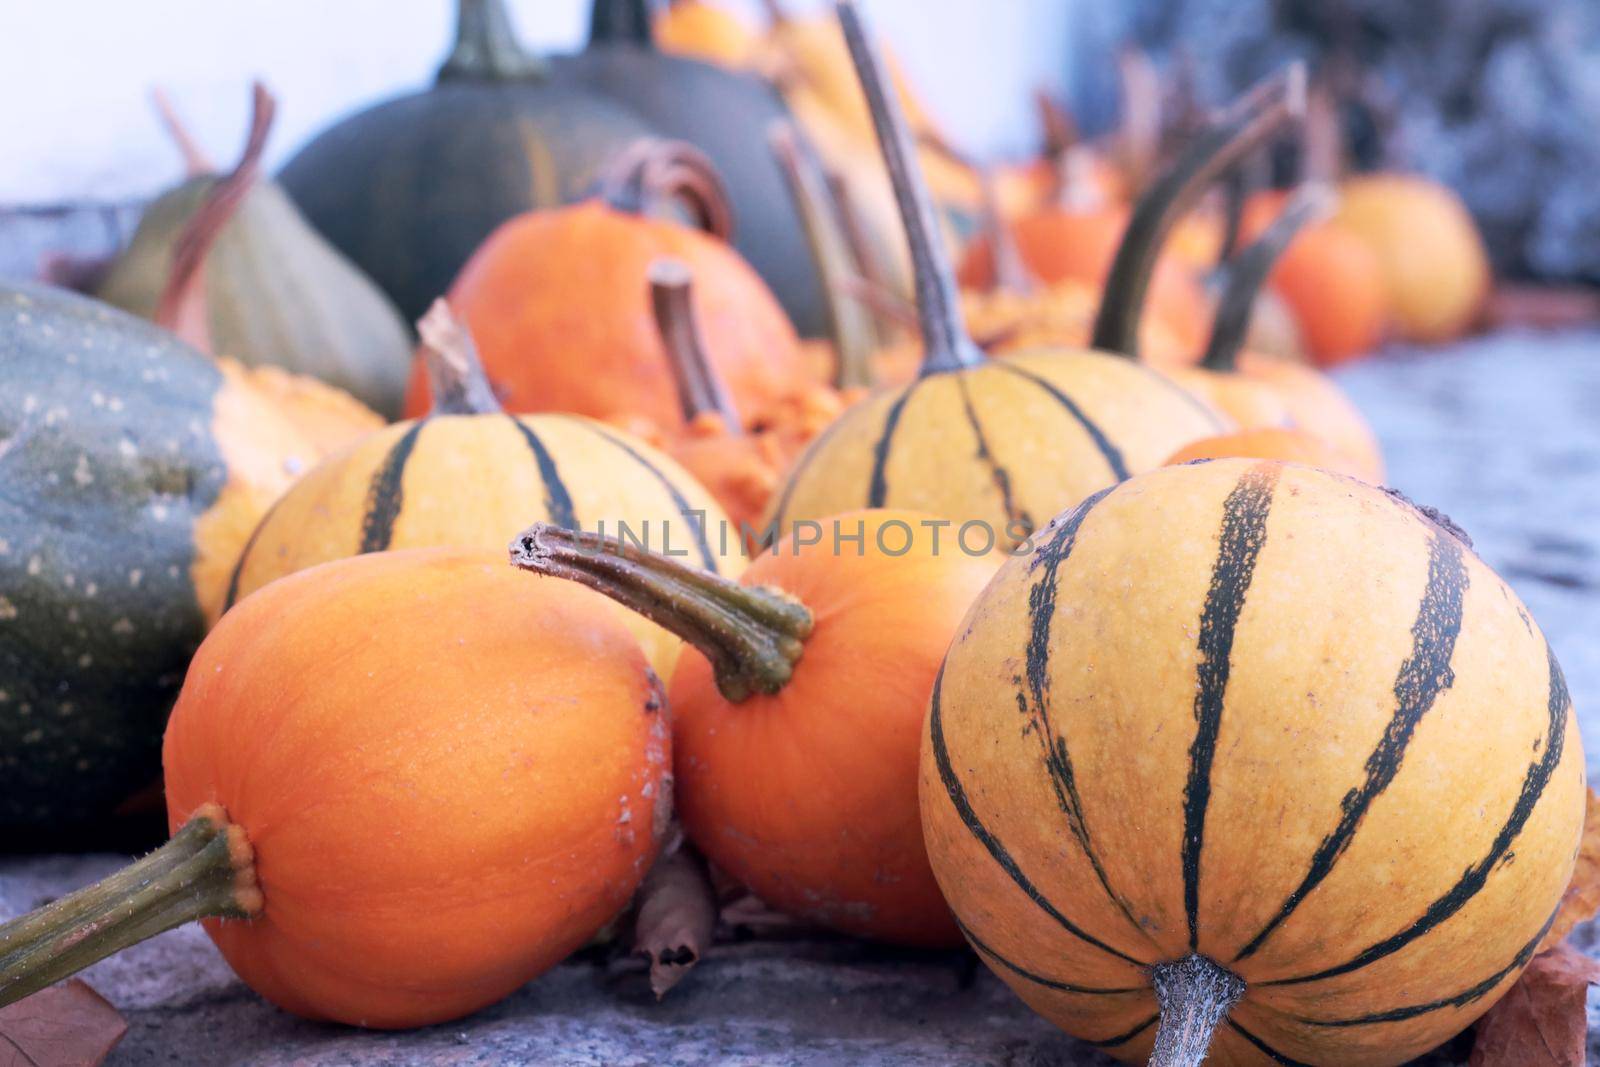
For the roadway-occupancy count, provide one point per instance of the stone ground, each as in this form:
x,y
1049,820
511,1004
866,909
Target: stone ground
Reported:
x,y
1502,433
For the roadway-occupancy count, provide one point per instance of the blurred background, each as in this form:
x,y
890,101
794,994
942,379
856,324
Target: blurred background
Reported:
x,y
1498,98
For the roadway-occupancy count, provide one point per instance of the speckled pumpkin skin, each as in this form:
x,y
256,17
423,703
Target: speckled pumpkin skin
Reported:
x,y
126,492
1271,715
1010,442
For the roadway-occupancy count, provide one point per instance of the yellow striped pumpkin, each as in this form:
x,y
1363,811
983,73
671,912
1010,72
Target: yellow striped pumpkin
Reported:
x,y
1009,442
470,475
1257,729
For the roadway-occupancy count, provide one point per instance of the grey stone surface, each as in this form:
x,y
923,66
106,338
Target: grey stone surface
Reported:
x,y
1501,433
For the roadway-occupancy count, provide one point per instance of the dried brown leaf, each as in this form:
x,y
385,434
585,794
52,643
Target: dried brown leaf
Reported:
x,y
677,911
65,1025
1582,898
1541,1021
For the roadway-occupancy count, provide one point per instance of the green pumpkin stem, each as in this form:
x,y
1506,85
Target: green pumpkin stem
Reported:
x,y
851,325
752,636
621,21
946,346
1251,121
205,871
1249,272
1194,996
700,387
486,47
653,173
195,161
182,305
456,379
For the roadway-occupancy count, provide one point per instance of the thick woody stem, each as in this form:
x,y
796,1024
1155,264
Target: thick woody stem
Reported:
x,y
1250,122
1195,995
700,387
486,47
752,636
946,346
206,870
456,379
1250,269
652,173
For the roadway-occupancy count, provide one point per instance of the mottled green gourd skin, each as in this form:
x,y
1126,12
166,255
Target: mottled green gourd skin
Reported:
x,y
106,460
276,293
724,114
408,189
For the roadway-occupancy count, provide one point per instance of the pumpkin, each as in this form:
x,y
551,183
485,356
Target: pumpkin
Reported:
x,y
277,293
408,188
135,468
1271,442
797,727
699,29
724,114
559,306
470,474
740,468
1241,754
416,763
1434,267
1006,441
1260,392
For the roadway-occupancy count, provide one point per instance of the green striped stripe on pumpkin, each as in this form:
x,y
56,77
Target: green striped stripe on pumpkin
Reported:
x,y
1266,716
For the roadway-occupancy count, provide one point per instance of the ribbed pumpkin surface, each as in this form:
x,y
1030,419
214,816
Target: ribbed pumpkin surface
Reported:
x,y
476,481
1272,716
1009,443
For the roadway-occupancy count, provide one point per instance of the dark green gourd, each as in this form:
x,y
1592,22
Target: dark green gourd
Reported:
x,y
409,188
727,116
133,467
277,293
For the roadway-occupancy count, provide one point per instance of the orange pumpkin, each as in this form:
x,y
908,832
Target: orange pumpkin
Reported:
x,y
796,730
1259,392
1272,442
1257,757
703,30
412,763
1330,278
1434,267
557,302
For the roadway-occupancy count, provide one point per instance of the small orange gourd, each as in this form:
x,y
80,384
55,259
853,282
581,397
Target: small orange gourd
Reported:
x,y
1255,764
561,313
415,764
796,729
704,30
1270,442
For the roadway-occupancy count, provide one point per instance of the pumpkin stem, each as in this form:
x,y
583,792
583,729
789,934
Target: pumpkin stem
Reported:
x,y
863,254
182,307
1195,995
626,21
850,324
1247,124
1056,124
945,343
1249,272
886,304
487,48
700,387
456,379
652,173
752,636
195,161
1011,271
206,870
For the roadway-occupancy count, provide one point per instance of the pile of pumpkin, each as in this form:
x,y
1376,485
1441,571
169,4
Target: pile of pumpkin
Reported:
x,y
1164,741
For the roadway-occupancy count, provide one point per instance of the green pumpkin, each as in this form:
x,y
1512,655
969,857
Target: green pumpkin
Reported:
x,y
728,117
409,188
277,293
121,493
